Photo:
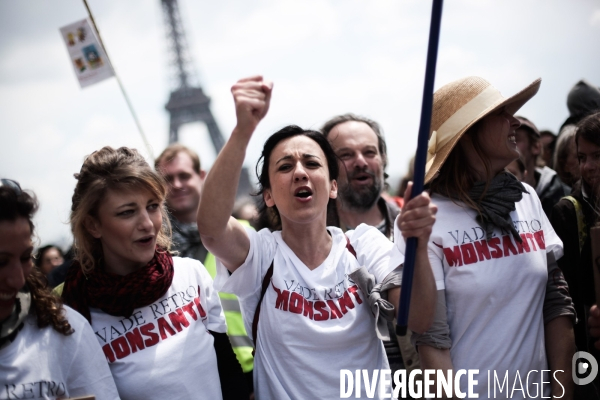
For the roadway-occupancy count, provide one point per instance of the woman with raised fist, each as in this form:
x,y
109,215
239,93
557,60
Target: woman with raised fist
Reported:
x,y
308,312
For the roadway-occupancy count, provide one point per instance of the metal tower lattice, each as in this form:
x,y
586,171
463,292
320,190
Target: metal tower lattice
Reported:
x,y
188,103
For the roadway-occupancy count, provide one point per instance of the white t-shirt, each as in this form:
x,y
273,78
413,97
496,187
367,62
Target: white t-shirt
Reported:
x,y
312,323
164,350
45,364
495,294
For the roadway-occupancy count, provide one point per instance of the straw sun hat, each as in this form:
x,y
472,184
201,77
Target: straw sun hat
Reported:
x,y
459,105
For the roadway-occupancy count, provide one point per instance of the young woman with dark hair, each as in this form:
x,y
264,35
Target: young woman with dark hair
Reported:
x,y
48,258
572,219
46,349
157,317
309,315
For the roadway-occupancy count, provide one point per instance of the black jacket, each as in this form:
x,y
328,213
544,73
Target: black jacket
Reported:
x,y
576,266
577,269
549,188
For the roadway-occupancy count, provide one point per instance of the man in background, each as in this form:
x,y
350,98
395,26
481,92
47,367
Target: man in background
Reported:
x,y
546,182
181,168
362,152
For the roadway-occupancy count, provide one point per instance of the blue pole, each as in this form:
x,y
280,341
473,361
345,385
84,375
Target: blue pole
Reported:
x,y
420,161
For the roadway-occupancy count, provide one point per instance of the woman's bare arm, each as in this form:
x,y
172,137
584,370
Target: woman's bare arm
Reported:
x,y
560,347
223,235
438,359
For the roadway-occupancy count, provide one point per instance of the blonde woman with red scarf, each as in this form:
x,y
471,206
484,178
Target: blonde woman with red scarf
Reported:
x,y
157,317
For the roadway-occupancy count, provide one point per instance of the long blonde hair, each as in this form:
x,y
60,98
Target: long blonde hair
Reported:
x,y
110,169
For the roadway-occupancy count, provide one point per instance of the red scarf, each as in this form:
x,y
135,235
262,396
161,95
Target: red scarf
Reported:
x,y
118,295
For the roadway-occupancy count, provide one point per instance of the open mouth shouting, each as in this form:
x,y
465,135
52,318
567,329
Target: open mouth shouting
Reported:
x,y
303,193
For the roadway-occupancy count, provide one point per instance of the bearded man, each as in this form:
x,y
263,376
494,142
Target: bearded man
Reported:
x,y
362,154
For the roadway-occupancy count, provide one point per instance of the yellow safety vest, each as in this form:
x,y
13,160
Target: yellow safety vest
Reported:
x,y
241,343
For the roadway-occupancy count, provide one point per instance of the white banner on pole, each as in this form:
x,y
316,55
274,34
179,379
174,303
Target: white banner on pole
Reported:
x,y
87,56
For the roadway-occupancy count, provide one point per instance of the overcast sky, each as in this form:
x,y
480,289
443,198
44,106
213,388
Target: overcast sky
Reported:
x,y
325,58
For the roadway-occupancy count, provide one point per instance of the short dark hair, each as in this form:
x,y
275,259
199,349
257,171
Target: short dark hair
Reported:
x,y
39,256
340,119
589,129
263,163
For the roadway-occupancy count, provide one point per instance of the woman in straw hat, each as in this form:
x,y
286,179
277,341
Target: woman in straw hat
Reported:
x,y
492,250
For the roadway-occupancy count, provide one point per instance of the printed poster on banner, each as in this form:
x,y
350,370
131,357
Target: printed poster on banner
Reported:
x,y
87,55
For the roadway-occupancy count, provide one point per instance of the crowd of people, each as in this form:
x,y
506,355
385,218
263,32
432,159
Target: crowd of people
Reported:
x,y
173,289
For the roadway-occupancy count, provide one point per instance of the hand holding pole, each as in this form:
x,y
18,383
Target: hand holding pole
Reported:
x,y
420,160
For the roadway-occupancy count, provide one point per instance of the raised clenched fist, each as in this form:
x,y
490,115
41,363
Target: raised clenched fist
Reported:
x,y
252,97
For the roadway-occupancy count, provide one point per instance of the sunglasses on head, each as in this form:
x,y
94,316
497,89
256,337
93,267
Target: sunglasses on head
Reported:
x,y
14,185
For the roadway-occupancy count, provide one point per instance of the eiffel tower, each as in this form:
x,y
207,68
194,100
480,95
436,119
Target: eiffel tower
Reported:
x,y
188,102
